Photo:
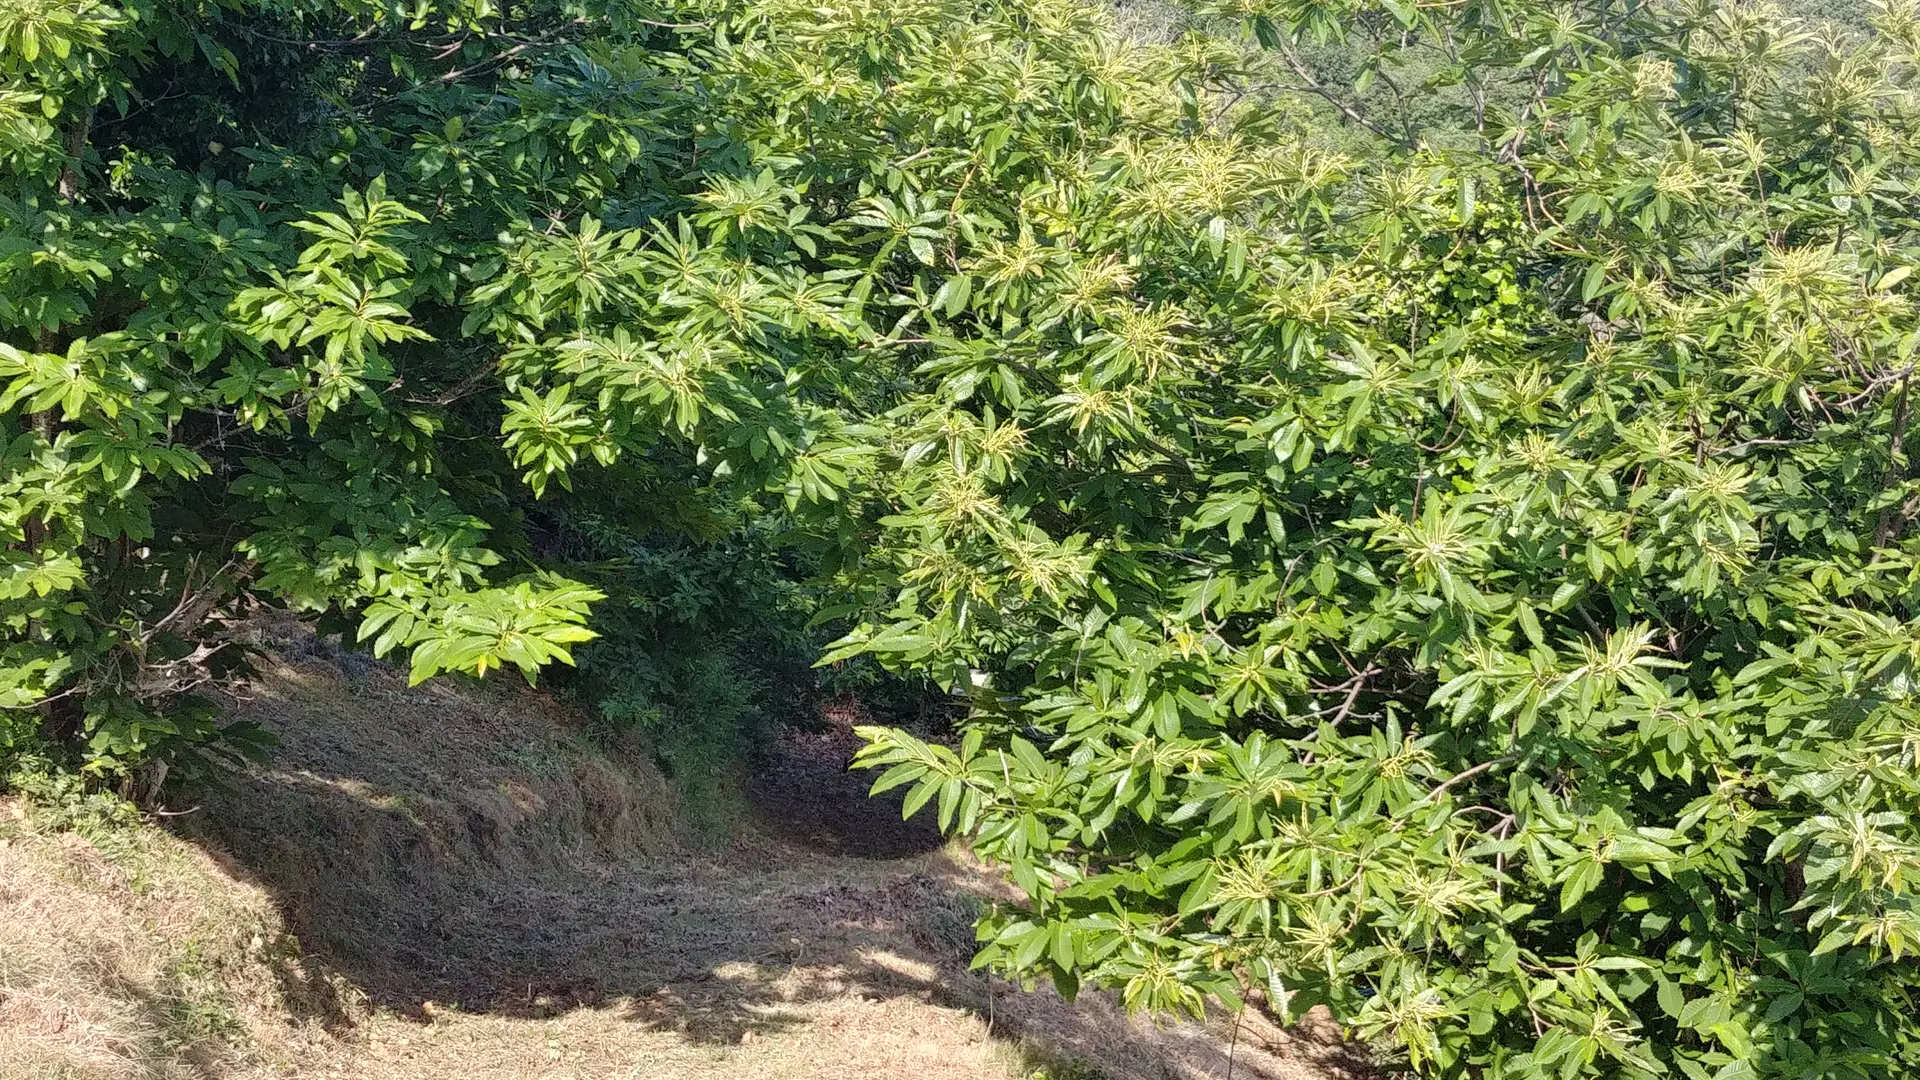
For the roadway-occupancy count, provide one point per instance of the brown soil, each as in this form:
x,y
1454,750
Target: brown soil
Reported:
x,y
475,891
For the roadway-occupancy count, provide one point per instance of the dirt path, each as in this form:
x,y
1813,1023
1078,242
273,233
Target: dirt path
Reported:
x,y
820,968
477,893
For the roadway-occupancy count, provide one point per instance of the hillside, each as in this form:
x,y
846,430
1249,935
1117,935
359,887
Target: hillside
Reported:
x,y
452,881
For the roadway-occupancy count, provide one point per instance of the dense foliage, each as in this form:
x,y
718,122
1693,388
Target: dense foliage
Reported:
x,y
262,262
1470,587
704,649
1420,497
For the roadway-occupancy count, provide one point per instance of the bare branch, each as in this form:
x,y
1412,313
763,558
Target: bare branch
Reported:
x,y
1315,86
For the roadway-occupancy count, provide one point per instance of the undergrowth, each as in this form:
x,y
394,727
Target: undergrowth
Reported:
x,y
56,800
705,648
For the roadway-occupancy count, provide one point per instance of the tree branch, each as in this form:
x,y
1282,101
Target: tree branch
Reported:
x,y
68,186
1883,529
1315,86
1458,778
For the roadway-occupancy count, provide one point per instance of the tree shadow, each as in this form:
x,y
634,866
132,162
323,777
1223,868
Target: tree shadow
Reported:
x,y
439,851
801,790
457,847
399,895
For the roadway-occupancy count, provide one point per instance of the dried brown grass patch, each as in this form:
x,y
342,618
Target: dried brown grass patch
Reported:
x,y
142,960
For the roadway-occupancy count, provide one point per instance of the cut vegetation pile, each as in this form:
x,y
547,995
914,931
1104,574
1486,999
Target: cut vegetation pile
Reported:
x,y
455,882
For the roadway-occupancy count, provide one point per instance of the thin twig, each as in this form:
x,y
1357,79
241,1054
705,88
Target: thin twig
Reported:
x,y
1314,86
1233,1044
1460,778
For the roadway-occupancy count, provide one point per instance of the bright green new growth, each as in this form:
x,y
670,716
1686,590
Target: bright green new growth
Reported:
x,y
1440,548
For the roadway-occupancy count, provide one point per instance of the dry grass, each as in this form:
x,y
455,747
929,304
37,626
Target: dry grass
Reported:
x,y
477,892
136,958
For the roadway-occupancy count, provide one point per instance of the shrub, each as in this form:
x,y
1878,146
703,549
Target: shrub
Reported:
x,y
1435,542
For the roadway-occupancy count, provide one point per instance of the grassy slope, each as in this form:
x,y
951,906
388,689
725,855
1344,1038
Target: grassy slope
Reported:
x,y
455,883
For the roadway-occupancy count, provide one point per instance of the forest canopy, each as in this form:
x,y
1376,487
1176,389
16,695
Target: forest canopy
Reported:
x,y
1419,499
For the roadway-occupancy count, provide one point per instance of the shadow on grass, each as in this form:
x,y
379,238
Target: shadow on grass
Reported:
x,y
455,848
449,851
